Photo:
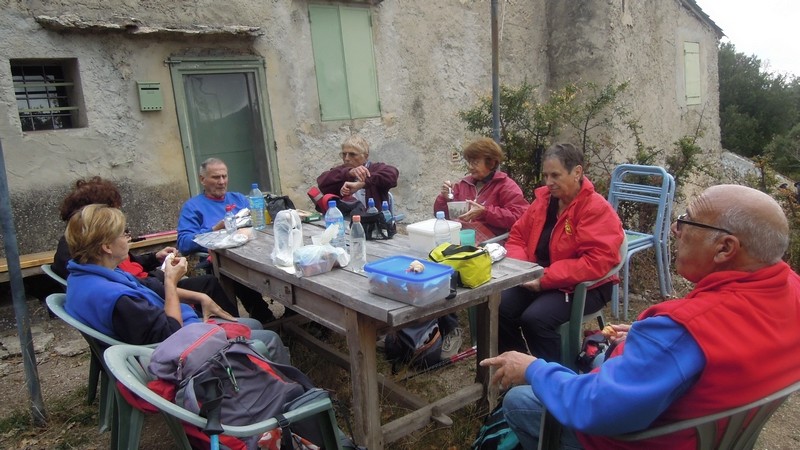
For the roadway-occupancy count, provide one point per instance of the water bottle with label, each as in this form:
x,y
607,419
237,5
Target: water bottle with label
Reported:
x,y
441,229
334,217
358,245
257,207
230,219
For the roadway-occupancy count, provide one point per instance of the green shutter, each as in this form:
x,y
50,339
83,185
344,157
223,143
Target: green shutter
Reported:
x,y
360,62
347,80
691,68
329,61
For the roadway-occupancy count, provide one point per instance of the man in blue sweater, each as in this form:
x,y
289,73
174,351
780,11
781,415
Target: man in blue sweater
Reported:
x,y
205,212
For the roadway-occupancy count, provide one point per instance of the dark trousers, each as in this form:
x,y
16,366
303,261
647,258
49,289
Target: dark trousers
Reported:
x,y
209,285
254,303
448,323
536,316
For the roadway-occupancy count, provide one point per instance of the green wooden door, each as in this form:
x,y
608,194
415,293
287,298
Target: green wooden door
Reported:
x,y
223,113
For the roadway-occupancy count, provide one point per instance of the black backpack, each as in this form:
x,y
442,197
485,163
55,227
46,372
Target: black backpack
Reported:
x,y
420,346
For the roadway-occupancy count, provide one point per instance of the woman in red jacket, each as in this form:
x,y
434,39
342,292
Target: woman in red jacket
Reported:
x,y
575,234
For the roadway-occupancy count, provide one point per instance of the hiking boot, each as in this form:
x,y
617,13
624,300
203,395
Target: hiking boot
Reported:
x,y
451,344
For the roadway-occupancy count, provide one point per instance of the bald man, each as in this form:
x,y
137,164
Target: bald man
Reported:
x,y
730,341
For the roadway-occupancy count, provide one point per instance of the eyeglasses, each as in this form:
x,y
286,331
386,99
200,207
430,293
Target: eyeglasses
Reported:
x,y
473,161
682,221
350,154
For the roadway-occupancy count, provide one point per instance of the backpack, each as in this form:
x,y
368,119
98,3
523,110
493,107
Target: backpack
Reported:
x,y
277,203
253,388
418,345
595,349
495,433
375,226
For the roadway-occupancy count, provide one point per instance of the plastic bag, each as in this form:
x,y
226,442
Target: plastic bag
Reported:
x,y
315,259
288,229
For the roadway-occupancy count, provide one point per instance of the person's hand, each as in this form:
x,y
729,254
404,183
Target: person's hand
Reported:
x,y
166,251
535,285
219,225
211,309
360,173
622,331
351,187
510,367
475,210
175,269
446,188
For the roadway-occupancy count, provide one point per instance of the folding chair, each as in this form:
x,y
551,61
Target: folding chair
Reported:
x,y
128,365
632,184
736,428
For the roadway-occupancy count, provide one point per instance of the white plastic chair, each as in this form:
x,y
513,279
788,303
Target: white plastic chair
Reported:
x,y
128,365
737,428
647,185
123,434
48,269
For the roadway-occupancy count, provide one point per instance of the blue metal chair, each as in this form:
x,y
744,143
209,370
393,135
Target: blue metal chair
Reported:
x,y
649,185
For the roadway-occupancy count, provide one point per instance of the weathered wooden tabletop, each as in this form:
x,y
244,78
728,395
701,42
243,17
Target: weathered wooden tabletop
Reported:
x,y
340,300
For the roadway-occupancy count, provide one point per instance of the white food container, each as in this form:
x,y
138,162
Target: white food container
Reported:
x,y
421,234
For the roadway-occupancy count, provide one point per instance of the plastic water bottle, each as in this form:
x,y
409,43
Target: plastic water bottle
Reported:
x,y
257,208
230,219
387,214
358,245
334,217
441,229
371,209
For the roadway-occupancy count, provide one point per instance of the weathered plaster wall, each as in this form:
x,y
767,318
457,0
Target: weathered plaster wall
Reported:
x,y
433,60
642,43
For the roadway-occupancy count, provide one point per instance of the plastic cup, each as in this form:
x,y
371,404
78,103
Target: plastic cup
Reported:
x,y
467,237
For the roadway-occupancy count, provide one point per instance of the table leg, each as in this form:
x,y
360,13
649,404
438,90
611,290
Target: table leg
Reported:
x,y
361,337
488,319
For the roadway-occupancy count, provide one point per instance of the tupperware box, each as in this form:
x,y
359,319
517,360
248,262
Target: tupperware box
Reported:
x,y
421,234
388,278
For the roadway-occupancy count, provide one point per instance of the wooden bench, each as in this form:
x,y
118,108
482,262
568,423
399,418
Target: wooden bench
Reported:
x,y
31,263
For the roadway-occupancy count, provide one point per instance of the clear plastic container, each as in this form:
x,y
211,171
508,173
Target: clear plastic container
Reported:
x,y
441,230
389,278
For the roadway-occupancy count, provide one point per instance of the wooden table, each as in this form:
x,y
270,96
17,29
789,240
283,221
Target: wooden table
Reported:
x,y
340,300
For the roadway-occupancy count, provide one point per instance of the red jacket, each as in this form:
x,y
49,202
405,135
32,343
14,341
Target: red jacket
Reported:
x,y
584,244
748,326
501,196
382,177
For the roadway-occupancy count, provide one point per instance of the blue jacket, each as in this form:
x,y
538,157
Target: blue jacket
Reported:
x,y
93,292
200,213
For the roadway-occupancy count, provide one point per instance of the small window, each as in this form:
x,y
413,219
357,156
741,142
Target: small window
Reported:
x,y
691,72
47,94
347,80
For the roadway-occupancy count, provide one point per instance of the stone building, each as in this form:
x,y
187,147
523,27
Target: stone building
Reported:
x,y
141,91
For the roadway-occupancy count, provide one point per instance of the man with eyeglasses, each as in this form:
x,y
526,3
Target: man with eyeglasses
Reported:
x,y
727,343
357,178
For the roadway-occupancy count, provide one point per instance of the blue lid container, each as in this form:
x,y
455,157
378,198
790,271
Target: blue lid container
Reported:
x,y
397,266
390,278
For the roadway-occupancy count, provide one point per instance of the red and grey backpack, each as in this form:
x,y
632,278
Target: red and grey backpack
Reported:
x,y
253,388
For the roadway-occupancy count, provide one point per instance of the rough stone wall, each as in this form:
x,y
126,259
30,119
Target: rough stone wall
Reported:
x,y
642,43
433,60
